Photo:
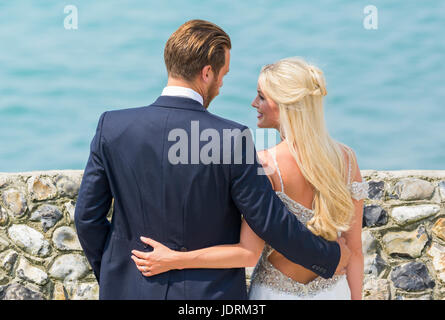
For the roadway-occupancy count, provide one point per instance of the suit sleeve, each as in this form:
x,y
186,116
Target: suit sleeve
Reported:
x,y
93,204
269,218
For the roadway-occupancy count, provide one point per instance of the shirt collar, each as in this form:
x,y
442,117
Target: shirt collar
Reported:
x,y
182,92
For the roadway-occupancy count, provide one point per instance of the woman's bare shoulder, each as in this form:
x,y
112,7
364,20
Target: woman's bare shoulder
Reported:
x,y
263,156
266,161
351,158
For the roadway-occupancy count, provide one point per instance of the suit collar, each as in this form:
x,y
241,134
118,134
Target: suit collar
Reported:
x,y
179,102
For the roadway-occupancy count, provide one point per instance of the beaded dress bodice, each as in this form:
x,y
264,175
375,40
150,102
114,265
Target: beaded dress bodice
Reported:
x,y
266,274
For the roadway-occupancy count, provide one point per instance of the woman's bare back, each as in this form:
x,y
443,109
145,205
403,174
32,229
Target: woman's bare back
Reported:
x,y
298,189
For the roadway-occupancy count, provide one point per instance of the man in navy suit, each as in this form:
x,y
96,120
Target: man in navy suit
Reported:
x,y
172,194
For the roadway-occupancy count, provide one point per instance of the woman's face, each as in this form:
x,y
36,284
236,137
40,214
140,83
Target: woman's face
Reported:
x,y
268,112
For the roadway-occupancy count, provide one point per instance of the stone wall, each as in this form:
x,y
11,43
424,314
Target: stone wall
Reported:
x,y
40,255
404,235
41,258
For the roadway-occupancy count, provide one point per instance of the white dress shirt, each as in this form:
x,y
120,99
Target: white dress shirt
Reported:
x,y
182,92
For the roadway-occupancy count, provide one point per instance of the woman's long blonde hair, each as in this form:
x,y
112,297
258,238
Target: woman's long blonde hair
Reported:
x,y
298,89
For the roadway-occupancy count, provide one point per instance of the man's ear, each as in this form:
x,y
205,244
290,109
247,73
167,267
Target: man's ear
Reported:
x,y
207,74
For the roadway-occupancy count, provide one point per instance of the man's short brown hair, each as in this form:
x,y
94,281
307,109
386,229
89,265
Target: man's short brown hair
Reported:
x,y
195,44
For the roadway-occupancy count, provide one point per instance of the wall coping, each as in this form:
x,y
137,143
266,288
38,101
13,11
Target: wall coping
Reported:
x,y
365,173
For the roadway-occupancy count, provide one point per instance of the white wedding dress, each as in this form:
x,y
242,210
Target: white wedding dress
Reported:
x,y
268,283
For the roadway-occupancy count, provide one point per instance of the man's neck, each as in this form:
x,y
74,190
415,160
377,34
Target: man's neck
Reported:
x,y
186,84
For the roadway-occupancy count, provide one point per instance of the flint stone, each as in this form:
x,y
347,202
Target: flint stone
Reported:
x,y
437,252
422,297
82,291
67,187
369,243
3,244
41,188
412,276
376,289
249,271
406,243
376,189
65,238
374,215
442,189
3,216
16,291
15,202
59,292
8,259
69,267
374,264
4,180
27,271
413,189
3,278
403,215
2,291
29,240
439,228
86,291
48,215
70,208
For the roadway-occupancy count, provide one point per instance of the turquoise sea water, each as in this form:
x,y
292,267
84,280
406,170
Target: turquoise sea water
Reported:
x,y
385,87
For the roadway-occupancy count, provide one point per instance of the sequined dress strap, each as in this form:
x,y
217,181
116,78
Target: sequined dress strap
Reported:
x,y
349,170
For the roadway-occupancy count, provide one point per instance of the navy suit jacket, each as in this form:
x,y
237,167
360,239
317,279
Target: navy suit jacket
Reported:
x,y
185,206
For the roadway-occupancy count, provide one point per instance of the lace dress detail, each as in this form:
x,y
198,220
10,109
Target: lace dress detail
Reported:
x,y
358,190
267,275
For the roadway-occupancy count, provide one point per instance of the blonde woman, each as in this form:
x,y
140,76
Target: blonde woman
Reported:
x,y
316,177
